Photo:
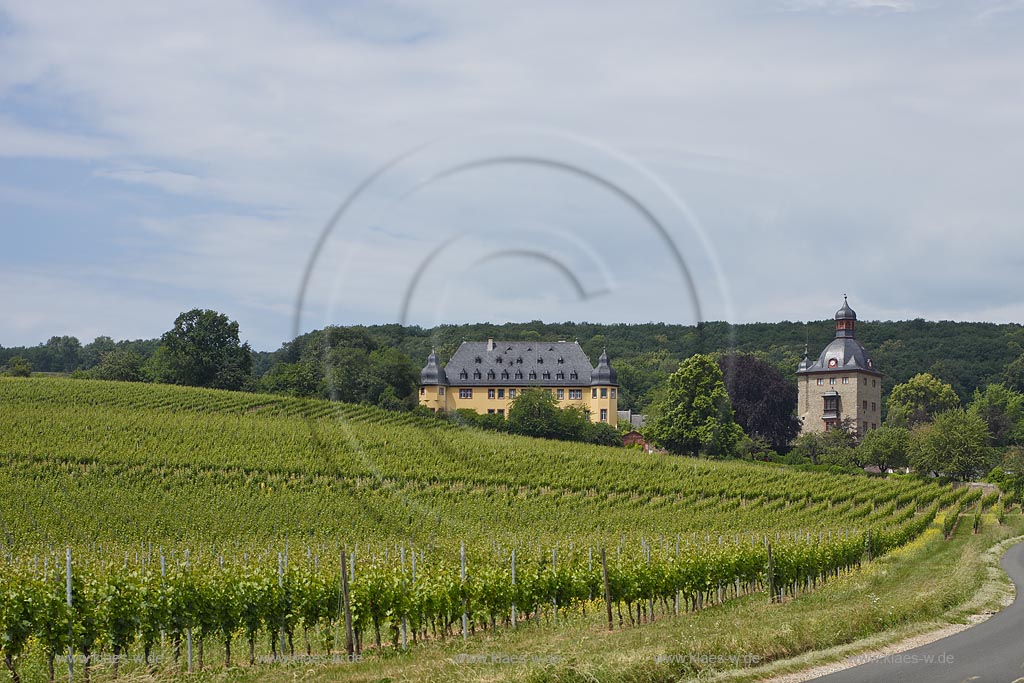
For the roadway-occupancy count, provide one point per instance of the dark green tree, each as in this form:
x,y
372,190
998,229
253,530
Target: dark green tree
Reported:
x,y
535,412
1002,410
763,400
202,350
18,367
955,443
62,353
919,399
119,365
885,447
694,415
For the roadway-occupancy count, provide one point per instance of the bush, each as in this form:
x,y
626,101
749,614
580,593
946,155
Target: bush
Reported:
x,y
18,366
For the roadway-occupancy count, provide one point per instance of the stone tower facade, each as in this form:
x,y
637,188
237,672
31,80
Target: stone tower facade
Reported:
x,y
842,387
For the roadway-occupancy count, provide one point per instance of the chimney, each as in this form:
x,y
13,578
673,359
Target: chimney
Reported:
x,y
490,343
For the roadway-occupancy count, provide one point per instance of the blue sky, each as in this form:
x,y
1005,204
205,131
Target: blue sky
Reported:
x,y
749,161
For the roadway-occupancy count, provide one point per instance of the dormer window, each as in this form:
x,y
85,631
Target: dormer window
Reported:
x,y
490,374
519,374
476,374
478,360
560,360
463,375
540,361
560,375
519,361
500,361
533,374
547,375
504,374
574,375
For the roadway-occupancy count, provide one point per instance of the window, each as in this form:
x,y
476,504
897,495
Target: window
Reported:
x,y
865,381
831,380
865,405
490,374
540,361
831,404
501,393
499,360
440,391
490,393
511,393
873,382
560,375
478,360
561,394
501,411
463,375
874,425
504,374
533,374
519,374
604,392
846,380
874,406
423,391
476,374
865,426
560,360
547,375
821,380
604,414
490,411
519,361
613,393
465,393
593,393
575,394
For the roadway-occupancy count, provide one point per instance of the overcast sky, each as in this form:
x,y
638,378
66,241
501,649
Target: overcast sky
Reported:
x,y
749,161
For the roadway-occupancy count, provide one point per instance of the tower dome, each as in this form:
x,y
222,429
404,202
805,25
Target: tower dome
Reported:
x,y
604,373
846,321
433,373
846,313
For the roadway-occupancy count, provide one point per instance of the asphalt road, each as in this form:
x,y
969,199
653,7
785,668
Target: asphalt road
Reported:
x,y
991,652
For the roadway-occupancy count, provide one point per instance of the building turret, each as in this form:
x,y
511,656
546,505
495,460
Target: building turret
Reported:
x,y
604,373
846,321
433,373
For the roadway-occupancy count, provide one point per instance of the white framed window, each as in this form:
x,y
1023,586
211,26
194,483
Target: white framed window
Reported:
x,y
440,391
613,393
846,380
561,394
831,380
821,380
593,393
575,394
490,393
423,391
501,393
604,414
511,393
465,393
604,392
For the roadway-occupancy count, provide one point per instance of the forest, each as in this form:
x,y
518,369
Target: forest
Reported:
x,y
380,364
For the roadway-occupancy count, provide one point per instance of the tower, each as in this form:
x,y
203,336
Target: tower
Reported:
x,y
841,388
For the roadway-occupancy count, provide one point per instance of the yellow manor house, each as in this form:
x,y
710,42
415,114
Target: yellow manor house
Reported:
x,y
486,376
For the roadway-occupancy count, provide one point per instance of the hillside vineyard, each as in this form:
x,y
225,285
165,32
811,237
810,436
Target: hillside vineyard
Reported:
x,y
221,517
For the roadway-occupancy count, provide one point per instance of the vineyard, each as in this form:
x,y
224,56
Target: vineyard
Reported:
x,y
157,519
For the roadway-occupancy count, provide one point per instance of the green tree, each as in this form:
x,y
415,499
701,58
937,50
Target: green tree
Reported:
x,y
18,367
1002,410
535,412
62,353
1013,375
885,447
919,399
93,352
694,414
119,365
293,379
202,350
955,443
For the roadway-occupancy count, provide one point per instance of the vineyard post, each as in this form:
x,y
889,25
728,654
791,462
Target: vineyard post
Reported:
x,y
514,617
771,573
465,616
405,623
554,576
280,585
349,641
188,631
71,643
163,586
607,589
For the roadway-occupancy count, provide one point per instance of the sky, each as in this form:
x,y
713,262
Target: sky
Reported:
x,y
298,164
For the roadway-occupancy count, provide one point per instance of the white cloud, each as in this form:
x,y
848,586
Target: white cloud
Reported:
x,y
808,143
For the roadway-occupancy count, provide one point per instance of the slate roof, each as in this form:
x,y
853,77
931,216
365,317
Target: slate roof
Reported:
x,y
848,353
520,364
